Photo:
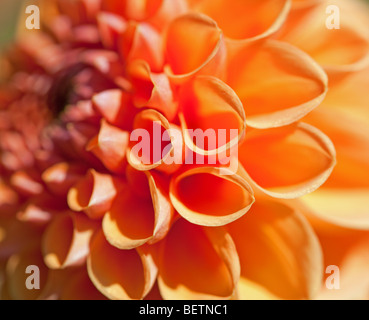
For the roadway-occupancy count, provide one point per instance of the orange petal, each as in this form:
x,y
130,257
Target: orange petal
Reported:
x,y
194,44
60,177
197,263
279,252
288,162
344,198
340,51
151,90
115,107
9,198
110,146
94,194
264,18
110,27
157,146
130,274
229,197
66,240
277,83
208,103
167,12
131,9
26,183
133,220
142,42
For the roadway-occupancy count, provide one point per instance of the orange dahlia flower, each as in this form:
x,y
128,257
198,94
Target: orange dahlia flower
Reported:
x,y
108,187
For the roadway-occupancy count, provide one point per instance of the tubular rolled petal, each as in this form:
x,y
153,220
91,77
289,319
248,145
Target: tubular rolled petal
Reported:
x,y
110,146
152,144
134,220
115,106
66,240
151,90
303,159
279,252
194,44
229,197
60,177
207,103
264,18
277,83
129,275
111,26
94,194
197,263
142,42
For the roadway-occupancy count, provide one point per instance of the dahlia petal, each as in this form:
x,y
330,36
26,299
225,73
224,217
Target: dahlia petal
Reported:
x,y
111,26
194,45
303,158
130,274
167,12
151,90
197,263
110,147
340,51
229,197
208,103
269,241
344,198
277,83
133,220
114,106
26,183
9,198
105,61
94,194
264,18
157,147
60,177
131,9
66,240
142,42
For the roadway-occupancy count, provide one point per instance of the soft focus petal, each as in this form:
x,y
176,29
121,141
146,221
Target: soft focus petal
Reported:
x,y
302,159
197,263
277,83
66,240
129,274
279,251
